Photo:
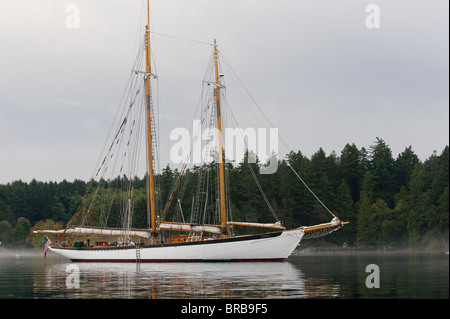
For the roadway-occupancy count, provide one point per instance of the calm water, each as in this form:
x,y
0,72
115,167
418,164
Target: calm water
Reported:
x,y
308,275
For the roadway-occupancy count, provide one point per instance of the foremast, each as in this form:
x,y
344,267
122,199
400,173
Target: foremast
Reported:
x,y
223,215
151,210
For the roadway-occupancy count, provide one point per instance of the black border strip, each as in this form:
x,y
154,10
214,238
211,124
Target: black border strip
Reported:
x,y
189,243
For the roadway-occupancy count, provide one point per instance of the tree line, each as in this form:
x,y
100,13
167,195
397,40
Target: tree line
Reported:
x,y
401,202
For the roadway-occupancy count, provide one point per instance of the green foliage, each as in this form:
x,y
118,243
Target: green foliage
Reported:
x,y
6,232
382,167
387,201
38,240
6,213
22,229
345,209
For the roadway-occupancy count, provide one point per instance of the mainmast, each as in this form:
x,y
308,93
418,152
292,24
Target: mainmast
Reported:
x,y
151,196
223,215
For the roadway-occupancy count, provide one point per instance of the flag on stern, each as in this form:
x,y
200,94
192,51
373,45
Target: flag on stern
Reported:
x,y
48,243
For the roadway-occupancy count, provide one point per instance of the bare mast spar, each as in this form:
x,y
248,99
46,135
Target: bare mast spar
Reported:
x,y
223,215
151,212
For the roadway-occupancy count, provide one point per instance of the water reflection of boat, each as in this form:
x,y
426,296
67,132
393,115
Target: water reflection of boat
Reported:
x,y
181,280
185,280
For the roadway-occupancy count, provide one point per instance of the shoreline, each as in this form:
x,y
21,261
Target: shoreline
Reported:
x,y
298,252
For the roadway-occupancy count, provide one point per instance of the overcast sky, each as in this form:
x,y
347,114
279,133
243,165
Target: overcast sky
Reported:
x,y
319,73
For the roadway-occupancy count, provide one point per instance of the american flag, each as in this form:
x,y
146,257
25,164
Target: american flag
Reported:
x,y
48,243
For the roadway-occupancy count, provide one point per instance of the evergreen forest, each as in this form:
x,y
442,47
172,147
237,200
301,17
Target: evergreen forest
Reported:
x,y
390,202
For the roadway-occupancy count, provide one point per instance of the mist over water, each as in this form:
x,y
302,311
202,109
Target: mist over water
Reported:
x,y
19,252
26,274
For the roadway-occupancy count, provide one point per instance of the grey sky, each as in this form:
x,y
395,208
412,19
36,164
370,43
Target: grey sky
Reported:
x,y
316,70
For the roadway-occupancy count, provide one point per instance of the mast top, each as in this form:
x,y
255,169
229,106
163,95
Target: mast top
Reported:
x,y
148,14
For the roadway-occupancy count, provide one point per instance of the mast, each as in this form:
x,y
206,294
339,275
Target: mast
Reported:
x,y
148,70
223,215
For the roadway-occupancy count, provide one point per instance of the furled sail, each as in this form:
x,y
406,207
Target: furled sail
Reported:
x,y
97,231
189,227
277,225
321,230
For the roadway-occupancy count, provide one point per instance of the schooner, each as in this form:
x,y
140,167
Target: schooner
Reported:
x,y
199,241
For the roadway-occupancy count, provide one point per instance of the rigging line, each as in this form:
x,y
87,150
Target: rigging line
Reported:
x,y
251,168
122,140
262,192
189,20
248,163
181,38
139,29
126,94
111,130
123,123
282,140
117,145
197,134
251,97
288,164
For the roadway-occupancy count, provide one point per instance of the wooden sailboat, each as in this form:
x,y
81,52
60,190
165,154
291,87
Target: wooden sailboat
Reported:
x,y
205,242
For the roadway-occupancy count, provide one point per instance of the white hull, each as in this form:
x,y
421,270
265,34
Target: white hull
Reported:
x,y
275,246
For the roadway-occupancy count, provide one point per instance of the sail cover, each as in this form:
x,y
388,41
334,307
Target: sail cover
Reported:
x,y
189,227
133,232
97,231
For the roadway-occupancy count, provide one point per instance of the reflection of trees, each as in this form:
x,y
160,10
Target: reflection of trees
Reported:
x,y
321,288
